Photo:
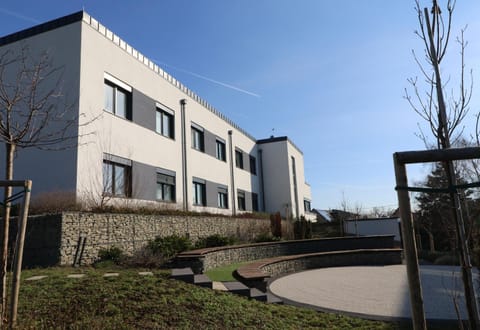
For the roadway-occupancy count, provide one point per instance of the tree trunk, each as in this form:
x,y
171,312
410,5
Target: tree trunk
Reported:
x,y
10,152
431,241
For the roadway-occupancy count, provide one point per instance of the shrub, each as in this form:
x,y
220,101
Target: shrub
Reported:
x,y
302,228
113,253
264,237
213,240
169,246
145,258
276,224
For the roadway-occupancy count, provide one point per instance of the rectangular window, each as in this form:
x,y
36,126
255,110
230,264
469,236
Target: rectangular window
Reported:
x,y
165,187
253,165
198,139
220,151
239,158
118,100
199,194
116,179
165,123
254,202
241,200
307,206
222,198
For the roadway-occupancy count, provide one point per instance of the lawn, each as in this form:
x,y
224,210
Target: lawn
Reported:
x,y
152,302
225,273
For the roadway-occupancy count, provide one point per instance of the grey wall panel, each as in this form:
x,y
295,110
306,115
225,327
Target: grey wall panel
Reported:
x,y
210,143
246,161
248,201
144,181
212,189
143,110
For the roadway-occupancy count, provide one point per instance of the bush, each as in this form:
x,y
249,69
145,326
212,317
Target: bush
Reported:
x,y
214,240
276,224
169,246
266,238
113,253
145,258
302,228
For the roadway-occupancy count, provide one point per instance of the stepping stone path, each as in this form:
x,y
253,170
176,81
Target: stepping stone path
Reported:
x,y
111,274
36,278
145,273
75,275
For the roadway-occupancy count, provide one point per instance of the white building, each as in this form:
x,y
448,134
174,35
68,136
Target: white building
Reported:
x,y
151,139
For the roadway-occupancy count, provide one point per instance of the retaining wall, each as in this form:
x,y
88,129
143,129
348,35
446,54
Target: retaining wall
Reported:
x,y
56,239
205,259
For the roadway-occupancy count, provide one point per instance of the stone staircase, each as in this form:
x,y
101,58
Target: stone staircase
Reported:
x,y
238,288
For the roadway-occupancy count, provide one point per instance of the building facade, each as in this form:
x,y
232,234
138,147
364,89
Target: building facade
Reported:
x,y
143,137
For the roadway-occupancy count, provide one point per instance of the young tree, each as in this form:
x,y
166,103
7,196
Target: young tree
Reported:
x,y
34,113
445,124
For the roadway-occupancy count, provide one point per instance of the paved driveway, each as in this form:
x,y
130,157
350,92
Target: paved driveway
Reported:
x,y
378,292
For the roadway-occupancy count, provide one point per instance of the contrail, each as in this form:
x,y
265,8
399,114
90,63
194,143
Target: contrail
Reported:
x,y
210,79
26,18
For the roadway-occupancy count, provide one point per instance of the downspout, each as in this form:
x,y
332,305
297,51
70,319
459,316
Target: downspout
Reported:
x,y
232,178
183,103
262,184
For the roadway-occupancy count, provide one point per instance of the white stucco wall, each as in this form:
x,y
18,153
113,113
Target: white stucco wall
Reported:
x,y
364,227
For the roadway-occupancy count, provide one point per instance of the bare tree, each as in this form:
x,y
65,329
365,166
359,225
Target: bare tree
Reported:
x,y
445,122
34,113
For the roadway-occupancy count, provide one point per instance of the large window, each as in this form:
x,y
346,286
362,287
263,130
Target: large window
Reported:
x,y
222,198
116,179
165,123
165,187
239,158
254,202
307,206
198,139
241,200
253,165
199,193
220,150
118,100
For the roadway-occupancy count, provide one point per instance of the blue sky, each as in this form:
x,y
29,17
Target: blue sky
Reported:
x,y
329,74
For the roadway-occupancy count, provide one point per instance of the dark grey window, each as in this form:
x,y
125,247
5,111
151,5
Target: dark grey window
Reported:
x,y
239,158
241,200
254,202
220,150
307,206
165,123
116,179
222,198
165,187
118,100
199,193
198,140
253,165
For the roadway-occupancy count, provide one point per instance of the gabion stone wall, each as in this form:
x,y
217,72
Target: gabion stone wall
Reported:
x,y
57,239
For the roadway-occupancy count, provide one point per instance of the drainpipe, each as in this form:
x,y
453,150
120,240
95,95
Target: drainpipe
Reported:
x,y
232,178
183,103
262,184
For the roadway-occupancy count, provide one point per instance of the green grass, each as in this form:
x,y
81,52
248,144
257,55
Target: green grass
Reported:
x,y
130,301
225,273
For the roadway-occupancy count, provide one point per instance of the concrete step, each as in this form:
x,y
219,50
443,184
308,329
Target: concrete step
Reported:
x,y
203,281
237,288
273,299
183,274
258,295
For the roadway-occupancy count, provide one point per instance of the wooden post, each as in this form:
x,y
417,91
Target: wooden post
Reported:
x,y
409,246
18,257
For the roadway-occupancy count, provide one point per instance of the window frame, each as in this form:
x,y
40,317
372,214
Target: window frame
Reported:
x,y
222,198
253,161
200,146
220,150
309,203
160,115
164,185
110,181
199,187
239,159
116,90
241,202
255,207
